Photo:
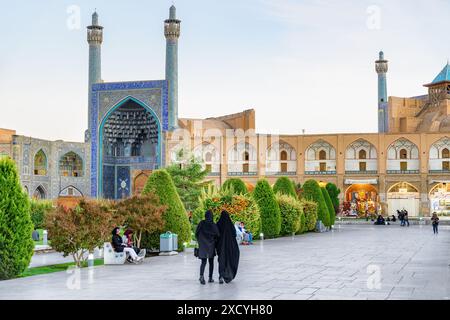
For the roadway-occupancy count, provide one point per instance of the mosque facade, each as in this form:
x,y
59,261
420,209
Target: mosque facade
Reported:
x,y
134,128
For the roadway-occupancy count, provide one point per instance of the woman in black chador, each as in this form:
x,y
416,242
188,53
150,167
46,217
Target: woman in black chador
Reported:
x,y
227,249
207,235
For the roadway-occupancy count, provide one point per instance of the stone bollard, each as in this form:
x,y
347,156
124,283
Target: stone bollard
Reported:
x,y
44,237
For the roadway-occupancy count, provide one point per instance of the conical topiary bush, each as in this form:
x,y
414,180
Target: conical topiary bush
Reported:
x,y
175,217
16,245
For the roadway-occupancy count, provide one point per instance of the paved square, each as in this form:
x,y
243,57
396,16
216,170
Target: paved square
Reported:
x,y
411,262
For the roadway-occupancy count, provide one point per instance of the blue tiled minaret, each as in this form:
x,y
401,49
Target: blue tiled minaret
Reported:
x,y
381,66
172,33
95,39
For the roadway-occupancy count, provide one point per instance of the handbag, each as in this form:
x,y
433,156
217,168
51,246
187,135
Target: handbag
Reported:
x,y
196,252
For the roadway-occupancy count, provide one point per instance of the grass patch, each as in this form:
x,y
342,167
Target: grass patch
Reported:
x,y
54,268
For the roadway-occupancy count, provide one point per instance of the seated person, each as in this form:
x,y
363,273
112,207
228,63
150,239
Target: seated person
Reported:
x,y
128,241
380,220
248,237
239,233
119,246
393,218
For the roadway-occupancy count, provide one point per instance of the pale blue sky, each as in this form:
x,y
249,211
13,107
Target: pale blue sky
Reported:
x,y
301,64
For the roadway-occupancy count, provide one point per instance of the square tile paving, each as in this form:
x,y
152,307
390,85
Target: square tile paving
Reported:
x,y
355,262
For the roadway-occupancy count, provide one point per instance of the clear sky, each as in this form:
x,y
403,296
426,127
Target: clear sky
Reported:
x,y
301,64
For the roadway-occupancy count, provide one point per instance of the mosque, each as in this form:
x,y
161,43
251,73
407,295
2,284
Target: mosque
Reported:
x,y
134,128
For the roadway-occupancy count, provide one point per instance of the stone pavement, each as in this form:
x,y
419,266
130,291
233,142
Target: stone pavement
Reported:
x,y
411,263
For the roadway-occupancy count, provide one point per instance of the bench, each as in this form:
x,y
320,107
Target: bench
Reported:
x,y
112,257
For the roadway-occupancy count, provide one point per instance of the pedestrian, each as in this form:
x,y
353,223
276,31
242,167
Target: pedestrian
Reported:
x,y
405,218
435,223
227,249
401,217
207,235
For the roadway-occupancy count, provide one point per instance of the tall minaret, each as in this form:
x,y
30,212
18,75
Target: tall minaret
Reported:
x,y
381,66
172,33
95,39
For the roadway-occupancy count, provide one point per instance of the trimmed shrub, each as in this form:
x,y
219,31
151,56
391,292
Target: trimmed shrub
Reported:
x,y
237,185
16,244
334,192
310,213
285,186
241,207
175,217
331,213
269,209
292,217
39,209
312,191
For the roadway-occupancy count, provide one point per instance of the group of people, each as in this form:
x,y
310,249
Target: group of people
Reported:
x,y
403,217
125,244
243,236
218,239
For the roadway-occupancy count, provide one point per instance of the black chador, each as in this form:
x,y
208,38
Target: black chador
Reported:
x,y
207,235
227,248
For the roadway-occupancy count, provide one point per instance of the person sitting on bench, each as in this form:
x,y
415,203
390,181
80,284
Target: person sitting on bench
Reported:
x,y
119,246
128,241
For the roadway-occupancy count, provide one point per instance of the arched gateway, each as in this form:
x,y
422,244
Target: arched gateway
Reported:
x,y
126,135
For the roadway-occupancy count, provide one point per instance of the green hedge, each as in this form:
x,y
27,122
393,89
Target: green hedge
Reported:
x,y
310,213
312,191
16,244
175,217
236,184
39,209
292,217
285,186
269,209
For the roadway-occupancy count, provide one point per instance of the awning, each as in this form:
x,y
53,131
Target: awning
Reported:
x,y
361,181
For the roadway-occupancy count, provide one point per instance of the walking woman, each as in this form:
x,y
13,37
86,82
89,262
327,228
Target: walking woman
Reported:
x,y
227,249
207,235
435,223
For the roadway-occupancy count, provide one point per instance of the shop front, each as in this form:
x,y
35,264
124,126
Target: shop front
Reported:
x,y
361,198
440,199
403,196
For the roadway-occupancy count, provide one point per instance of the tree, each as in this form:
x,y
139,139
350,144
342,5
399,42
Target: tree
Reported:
x,y
142,214
312,191
330,207
269,209
16,245
39,209
236,184
188,178
285,186
77,231
292,218
175,217
334,192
